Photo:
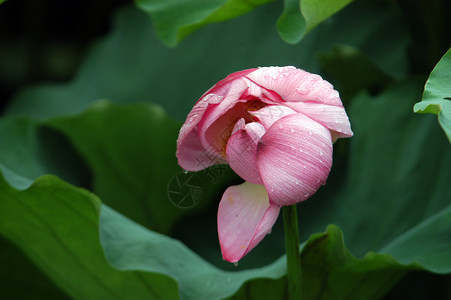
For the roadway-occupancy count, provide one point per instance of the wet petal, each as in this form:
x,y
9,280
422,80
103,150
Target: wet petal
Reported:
x,y
295,85
240,97
190,152
333,117
242,151
244,218
218,121
271,113
294,158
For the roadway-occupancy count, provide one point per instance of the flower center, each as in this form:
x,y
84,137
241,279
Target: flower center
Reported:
x,y
220,131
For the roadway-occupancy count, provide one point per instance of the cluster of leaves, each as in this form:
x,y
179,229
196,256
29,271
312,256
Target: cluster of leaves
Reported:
x,y
83,187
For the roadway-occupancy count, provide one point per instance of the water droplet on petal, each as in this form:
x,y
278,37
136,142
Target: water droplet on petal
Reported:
x,y
302,90
292,130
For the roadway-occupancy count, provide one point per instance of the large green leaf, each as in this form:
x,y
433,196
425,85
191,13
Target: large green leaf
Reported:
x,y
175,19
299,17
131,65
57,229
29,151
56,225
437,94
17,272
131,152
395,198
329,270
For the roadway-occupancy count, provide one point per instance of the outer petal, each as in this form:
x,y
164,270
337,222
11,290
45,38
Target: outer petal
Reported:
x,y
296,85
333,117
244,218
294,158
192,156
223,84
242,151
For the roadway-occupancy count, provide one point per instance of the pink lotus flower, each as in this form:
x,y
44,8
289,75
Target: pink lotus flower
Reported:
x,y
275,127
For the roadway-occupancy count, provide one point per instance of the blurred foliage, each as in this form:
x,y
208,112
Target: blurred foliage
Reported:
x,y
127,65
299,17
175,19
388,190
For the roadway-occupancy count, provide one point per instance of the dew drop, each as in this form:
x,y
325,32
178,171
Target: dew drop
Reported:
x,y
302,90
292,130
185,172
208,97
235,264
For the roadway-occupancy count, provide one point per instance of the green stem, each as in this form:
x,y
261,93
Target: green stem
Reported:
x,y
294,276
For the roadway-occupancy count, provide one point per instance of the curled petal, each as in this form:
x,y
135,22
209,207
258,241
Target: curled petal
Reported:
x,y
295,85
294,158
219,120
241,98
239,125
190,152
221,87
245,216
242,151
271,113
332,117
